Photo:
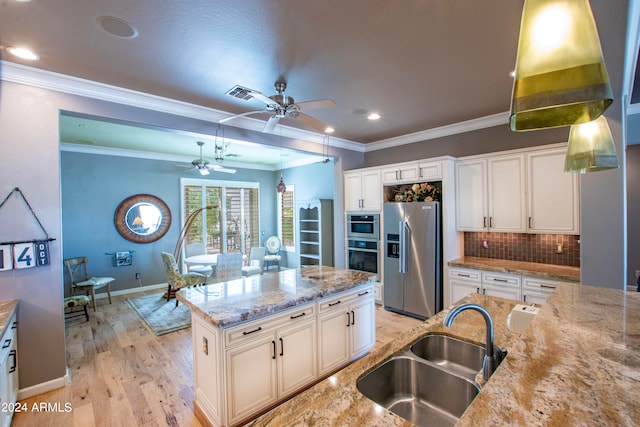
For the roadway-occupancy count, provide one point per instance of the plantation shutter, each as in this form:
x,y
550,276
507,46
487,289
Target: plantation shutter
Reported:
x,y
287,219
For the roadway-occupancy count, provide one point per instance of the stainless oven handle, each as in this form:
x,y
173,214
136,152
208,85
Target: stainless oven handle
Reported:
x,y
373,251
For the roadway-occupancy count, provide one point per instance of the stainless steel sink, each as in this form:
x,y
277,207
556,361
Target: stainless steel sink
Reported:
x,y
420,392
452,354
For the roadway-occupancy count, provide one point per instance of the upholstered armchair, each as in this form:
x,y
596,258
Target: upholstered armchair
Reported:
x,y
177,280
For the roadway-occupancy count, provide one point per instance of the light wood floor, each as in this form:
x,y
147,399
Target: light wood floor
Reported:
x,y
123,375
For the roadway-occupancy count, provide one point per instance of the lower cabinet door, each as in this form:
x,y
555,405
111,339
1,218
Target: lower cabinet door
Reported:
x,y
533,297
251,377
362,325
297,357
459,289
333,340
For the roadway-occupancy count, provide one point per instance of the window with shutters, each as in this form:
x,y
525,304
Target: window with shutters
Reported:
x,y
231,220
286,218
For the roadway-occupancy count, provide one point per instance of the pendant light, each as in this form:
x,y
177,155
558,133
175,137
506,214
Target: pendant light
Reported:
x,y
281,187
591,148
560,76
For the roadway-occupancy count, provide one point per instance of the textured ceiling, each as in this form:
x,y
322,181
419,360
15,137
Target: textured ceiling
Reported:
x,y
420,64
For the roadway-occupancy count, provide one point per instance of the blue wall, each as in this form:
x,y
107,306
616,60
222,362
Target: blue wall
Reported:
x,y
94,185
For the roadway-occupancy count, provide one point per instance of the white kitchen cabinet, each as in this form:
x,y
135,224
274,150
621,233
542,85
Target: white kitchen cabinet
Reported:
x,y
363,191
536,290
502,285
463,281
506,194
553,195
430,171
400,174
346,328
471,195
8,370
242,370
491,194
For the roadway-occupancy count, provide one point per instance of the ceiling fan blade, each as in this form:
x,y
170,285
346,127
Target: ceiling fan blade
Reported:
x,y
248,113
316,124
271,124
218,168
320,103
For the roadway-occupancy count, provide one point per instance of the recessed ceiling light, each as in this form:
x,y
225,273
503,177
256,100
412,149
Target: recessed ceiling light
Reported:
x,y
117,27
23,53
373,116
329,129
512,73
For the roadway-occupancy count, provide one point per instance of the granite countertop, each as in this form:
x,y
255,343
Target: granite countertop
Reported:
x,y
578,363
229,303
533,269
6,310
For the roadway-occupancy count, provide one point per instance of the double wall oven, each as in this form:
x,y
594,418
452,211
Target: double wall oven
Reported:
x,y
363,239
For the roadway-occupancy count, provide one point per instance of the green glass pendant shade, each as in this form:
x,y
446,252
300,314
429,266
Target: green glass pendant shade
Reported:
x,y
591,148
560,77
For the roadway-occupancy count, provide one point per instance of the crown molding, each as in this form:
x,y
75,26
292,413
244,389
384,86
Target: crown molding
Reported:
x,y
439,132
30,76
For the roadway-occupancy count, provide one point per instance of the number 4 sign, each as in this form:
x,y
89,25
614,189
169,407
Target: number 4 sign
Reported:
x,y
23,255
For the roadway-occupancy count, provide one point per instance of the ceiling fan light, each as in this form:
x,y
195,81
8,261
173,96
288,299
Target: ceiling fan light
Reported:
x,y
203,171
591,148
560,77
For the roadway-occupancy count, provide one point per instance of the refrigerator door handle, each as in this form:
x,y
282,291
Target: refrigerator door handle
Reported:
x,y
404,245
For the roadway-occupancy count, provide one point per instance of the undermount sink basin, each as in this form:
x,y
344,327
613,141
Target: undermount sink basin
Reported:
x,y
452,354
423,394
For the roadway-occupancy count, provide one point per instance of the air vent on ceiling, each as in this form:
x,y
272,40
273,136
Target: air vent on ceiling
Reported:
x,y
240,92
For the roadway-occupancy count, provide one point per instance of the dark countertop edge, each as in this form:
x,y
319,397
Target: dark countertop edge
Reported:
x,y
475,263
269,310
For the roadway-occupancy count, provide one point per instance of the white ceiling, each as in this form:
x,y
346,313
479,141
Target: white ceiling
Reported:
x,y
420,64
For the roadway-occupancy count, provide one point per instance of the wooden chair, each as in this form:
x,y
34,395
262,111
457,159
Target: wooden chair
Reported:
x,y
177,280
273,252
229,266
71,305
78,270
256,261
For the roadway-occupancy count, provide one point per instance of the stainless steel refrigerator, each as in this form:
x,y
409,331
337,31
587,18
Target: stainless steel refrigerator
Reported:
x,y
412,259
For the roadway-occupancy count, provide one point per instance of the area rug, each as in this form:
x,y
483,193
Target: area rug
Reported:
x,y
159,315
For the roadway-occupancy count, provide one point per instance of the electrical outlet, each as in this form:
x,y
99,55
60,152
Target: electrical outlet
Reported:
x,y
138,276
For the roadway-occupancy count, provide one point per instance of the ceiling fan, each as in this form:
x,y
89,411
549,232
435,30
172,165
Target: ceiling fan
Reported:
x,y
204,166
281,106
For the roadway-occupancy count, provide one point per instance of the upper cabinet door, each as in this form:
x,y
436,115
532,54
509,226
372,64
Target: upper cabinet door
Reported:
x,y
507,194
471,198
362,191
554,196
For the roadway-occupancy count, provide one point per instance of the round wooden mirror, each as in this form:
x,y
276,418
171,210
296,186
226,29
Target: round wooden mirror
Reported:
x,y
142,218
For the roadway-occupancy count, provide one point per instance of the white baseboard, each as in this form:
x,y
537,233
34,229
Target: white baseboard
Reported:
x,y
34,390
133,290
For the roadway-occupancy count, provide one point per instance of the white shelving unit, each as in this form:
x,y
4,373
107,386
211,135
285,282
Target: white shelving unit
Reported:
x,y
315,232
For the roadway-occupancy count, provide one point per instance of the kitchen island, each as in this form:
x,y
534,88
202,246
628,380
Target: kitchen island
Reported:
x,y
578,363
260,339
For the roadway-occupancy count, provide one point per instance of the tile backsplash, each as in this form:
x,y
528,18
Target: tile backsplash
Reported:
x,y
541,248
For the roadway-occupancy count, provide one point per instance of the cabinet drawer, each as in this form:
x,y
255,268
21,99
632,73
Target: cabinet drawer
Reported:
x,y
465,274
257,328
501,279
539,285
344,298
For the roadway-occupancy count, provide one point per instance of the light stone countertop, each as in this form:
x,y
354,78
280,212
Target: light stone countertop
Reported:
x,y
229,303
532,269
578,363
6,310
